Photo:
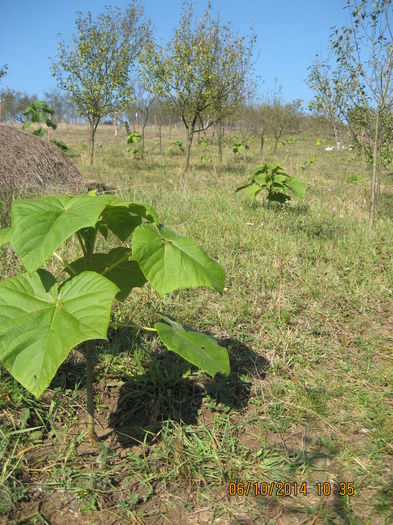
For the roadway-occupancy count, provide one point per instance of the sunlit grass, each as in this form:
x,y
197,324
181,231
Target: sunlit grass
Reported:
x,y
306,317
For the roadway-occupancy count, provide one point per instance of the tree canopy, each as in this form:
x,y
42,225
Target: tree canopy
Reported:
x,y
95,67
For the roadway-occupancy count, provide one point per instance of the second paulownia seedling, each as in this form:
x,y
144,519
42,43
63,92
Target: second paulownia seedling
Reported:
x,y
275,181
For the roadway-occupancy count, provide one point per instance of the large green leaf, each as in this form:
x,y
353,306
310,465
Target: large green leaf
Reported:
x,y
121,221
198,349
144,210
261,179
297,186
40,324
137,208
171,261
5,236
126,275
39,226
252,191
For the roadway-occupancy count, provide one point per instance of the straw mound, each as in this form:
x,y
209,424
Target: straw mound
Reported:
x,y
28,162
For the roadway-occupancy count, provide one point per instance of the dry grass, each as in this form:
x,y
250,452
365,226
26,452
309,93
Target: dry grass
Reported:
x,y
29,163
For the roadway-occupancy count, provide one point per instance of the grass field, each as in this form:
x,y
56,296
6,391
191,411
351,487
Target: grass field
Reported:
x,y
306,316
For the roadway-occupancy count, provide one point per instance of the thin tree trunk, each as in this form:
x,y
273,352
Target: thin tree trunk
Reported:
x,y
336,150
276,139
89,387
143,137
219,140
160,137
189,137
261,144
378,180
91,142
375,171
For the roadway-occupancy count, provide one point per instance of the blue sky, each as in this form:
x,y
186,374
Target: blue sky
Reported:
x,y
290,33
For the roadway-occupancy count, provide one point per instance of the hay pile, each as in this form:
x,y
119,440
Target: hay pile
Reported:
x,y
28,163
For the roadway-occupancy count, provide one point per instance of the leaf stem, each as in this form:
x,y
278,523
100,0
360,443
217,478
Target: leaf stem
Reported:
x,y
119,261
132,325
65,263
79,236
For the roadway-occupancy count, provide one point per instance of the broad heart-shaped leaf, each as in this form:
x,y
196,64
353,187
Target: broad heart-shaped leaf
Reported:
x,y
40,324
171,261
198,349
252,191
121,221
297,186
126,275
5,236
39,226
144,210
261,179
137,208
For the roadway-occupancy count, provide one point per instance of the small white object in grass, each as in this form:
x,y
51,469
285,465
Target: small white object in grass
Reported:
x,y
250,223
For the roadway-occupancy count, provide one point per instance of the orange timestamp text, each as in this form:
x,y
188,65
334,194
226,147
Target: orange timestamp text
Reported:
x,y
289,488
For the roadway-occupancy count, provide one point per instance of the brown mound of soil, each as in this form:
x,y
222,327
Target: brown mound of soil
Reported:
x,y
28,162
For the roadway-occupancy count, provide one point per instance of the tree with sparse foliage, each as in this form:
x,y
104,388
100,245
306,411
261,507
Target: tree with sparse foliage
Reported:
x,y
144,98
283,115
260,119
364,53
95,68
60,103
200,72
232,75
331,93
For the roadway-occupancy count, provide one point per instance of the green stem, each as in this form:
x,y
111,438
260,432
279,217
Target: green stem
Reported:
x,y
132,325
89,388
90,248
64,263
119,261
79,236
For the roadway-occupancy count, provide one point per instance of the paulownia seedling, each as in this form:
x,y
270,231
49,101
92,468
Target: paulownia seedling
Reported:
x,y
177,148
277,183
239,146
41,320
40,113
135,138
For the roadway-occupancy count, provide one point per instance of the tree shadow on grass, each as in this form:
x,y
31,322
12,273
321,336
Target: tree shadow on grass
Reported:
x,y
166,390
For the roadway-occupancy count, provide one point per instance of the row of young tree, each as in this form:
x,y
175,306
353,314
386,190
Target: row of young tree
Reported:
x,y
203,76
201,73
270,117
